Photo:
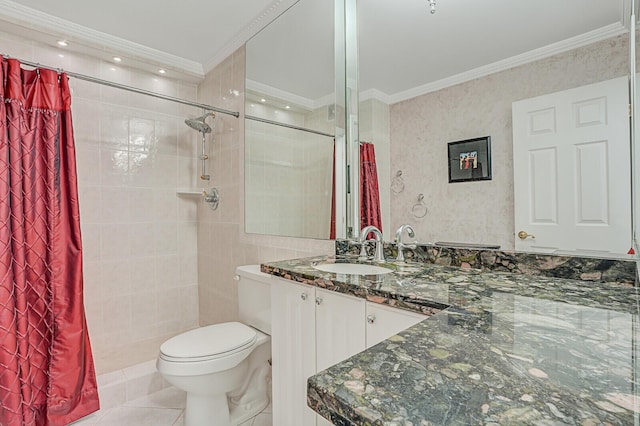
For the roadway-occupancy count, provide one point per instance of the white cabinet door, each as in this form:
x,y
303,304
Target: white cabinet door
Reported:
x,y
384,321
340,331
293,350
313,329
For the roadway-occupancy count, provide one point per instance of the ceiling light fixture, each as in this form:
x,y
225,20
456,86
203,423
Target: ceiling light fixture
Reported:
x,y
432,5
162,71
60,55
263,100
117,59
62,43
287,107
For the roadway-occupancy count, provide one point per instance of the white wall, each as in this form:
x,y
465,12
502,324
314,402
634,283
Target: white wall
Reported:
x,y
480,212
139,238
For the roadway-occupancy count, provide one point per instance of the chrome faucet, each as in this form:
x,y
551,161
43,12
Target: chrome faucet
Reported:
x,y
400,244
379,253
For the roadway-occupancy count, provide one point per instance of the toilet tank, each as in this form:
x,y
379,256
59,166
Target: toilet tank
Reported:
x,y
254,297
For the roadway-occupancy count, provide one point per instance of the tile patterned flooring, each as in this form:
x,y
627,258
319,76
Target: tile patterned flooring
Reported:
x,y
163,408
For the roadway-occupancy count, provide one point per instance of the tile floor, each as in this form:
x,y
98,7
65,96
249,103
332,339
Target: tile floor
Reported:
x,y
163,408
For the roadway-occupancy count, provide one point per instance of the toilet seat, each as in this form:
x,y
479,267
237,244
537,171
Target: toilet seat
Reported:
x,y
208,343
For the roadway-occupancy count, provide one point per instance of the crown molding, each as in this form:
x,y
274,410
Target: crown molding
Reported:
x,y
374,94
268,15
40,21
585,39
283,95
301,101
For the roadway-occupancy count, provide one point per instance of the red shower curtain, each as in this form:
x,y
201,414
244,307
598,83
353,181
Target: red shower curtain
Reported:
x,y
47,376
369,193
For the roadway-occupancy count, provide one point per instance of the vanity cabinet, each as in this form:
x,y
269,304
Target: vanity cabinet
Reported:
x,y
293,347
311,330
384,321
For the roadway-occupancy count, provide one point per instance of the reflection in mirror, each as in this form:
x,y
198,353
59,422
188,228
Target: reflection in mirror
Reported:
x,y
290,123
432,79
426,80
288,186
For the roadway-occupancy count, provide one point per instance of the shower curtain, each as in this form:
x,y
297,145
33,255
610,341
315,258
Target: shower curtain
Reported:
x,y
47,376
369,192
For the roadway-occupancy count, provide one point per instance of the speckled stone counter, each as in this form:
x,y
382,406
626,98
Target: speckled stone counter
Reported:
x,y
500,348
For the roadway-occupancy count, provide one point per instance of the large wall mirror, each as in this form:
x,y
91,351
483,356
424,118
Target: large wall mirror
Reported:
x,y
290,123
428,79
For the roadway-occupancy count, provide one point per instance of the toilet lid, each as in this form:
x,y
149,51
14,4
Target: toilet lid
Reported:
x,y
210,340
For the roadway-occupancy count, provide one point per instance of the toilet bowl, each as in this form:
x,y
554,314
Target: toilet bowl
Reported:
x,y
225,368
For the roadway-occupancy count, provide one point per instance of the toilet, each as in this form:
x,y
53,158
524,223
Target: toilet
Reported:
x,y
225,368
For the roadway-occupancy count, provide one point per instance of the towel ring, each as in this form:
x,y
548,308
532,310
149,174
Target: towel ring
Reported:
x,y
419,209
397,184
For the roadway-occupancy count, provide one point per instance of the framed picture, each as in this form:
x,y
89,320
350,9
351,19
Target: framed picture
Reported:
x,y
470,160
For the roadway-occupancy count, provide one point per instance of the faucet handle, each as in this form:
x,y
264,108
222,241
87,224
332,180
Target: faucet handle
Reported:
x,y
401,246
363,250
409,246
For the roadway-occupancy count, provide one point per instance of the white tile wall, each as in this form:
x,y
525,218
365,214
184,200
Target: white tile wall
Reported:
x,y
139,238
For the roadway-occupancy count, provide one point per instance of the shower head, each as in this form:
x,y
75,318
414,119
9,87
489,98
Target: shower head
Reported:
x,y
199,123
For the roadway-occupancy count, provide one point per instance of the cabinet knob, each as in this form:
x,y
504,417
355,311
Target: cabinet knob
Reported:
x,y
371,319
304,296
318,300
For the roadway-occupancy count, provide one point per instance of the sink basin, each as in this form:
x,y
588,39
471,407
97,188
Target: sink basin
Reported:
x,y
352,268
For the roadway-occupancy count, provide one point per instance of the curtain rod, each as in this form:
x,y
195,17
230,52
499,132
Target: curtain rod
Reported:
x,y
289,126
128,88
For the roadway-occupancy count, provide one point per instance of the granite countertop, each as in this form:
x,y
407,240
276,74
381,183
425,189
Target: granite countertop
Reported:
x,y
499,348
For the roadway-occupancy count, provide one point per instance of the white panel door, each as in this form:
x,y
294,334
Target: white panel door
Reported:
x,y
385,321
293,351
571,170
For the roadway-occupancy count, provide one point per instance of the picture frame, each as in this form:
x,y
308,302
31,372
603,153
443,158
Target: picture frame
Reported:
x,y
470,160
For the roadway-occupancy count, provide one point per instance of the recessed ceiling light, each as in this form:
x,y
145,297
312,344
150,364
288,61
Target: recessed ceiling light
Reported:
x,y
162,71
112,68
117,59
60,55
63,43
263,100
287,107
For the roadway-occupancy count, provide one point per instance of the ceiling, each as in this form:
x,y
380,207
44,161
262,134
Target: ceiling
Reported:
x,y
402,46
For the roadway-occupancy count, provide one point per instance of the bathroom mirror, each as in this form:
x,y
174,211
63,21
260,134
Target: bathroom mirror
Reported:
x,y
405,51
290,123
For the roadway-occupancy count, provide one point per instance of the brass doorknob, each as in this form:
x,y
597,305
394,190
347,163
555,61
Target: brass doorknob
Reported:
x,y
523,235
